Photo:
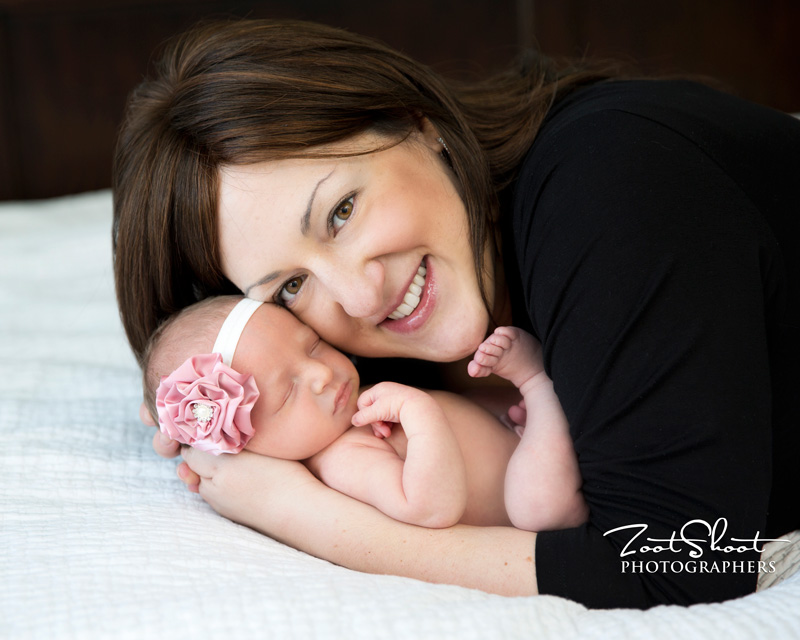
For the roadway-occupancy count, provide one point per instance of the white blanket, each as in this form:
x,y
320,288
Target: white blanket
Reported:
x,y
99,539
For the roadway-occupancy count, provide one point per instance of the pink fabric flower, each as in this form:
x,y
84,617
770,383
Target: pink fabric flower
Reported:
x,y
206,404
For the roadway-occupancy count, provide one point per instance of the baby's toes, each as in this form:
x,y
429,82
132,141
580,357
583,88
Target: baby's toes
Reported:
x,y
477,371
510,333
486,357
491,349
500,340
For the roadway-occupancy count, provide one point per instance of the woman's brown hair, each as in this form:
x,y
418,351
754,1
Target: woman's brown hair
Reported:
x,y
248,91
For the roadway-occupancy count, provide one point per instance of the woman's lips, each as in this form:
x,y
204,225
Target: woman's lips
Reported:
x,y
424,308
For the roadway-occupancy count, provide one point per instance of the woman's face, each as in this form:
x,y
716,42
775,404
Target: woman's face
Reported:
x,y
371,250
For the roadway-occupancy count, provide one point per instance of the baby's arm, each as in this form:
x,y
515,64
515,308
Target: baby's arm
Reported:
x,y
543,480
428,488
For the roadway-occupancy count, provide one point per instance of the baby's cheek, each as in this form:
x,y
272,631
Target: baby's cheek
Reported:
x,y
257,445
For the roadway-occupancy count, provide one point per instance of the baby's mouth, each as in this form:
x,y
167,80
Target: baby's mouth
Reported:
x,y
413,295
342,396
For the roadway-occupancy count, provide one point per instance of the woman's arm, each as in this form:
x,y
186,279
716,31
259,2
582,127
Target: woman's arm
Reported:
x,y
646,270
292,506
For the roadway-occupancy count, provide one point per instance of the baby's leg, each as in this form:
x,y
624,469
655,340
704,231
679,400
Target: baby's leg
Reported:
x,y
510,353
542,486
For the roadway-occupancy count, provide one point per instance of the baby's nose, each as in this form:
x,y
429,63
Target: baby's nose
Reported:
x,y
320,376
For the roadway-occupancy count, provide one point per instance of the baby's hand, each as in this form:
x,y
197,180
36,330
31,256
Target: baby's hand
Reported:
x,y
382,406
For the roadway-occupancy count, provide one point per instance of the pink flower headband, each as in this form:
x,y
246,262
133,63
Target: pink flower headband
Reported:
x,y
205,403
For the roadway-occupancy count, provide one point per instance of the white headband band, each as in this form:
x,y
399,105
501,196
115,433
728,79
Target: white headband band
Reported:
x,y
231,329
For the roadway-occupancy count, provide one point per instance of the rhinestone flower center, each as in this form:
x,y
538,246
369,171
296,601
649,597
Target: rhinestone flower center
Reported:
x,y
202,412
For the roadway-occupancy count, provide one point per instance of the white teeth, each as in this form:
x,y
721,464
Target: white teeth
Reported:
x,y
412,297
402,311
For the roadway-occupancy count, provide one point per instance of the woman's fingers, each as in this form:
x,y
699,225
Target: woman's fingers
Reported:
x,y
162,444
203,464
165,447
196,467
189,477
145,417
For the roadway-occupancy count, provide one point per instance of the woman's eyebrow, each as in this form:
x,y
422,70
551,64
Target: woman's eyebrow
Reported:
x,y
267,278
305,222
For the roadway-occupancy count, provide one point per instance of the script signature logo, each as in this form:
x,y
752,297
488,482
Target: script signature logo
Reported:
x,y
680,540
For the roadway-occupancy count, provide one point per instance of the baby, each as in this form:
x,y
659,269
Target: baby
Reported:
x,y
257,378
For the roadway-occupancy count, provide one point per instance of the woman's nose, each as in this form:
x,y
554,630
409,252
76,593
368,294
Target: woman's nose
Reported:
x,y
358,288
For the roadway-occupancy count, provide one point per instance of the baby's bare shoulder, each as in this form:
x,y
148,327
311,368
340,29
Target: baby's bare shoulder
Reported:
x,y
354,437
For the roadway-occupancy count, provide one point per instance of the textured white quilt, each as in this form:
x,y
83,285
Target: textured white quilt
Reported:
x,y
98,538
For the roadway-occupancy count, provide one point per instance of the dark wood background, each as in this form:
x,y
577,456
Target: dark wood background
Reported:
x,y
66,66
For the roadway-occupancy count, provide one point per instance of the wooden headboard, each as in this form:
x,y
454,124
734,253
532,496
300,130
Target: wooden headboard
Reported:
x,y
66,66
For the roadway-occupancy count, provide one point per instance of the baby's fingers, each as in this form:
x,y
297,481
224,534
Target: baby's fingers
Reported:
x,y
378,412
383,394
382,429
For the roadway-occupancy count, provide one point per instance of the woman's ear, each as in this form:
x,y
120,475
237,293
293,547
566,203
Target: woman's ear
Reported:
x,y
429,135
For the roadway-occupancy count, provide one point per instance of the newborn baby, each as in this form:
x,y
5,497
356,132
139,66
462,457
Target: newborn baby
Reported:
x,y
231,373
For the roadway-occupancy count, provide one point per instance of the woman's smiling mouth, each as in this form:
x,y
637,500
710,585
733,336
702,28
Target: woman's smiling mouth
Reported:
x,y
417,304
413,295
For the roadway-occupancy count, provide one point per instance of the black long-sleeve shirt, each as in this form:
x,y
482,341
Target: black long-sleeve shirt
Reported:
x,y
652,244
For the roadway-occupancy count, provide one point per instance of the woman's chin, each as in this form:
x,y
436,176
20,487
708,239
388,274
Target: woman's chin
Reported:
x,y
457,346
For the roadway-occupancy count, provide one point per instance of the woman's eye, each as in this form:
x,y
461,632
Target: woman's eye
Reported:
x,y
341,214
290,289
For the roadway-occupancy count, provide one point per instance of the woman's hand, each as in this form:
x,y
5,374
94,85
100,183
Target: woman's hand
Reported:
x,y
168,448
283,500
257,491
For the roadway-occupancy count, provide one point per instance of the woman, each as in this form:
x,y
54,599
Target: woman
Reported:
x,y
644,231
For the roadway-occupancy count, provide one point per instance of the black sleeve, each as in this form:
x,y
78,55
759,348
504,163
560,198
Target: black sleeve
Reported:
x,y
644,269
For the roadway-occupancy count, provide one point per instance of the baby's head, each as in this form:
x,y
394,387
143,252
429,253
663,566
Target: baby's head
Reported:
x,y
229,373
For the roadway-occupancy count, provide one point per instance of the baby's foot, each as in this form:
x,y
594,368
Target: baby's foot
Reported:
x,y
510,353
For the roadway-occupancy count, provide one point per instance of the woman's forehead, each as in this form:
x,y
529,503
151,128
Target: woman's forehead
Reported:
x,y
262,208
240,183
324,158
